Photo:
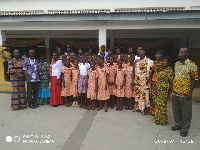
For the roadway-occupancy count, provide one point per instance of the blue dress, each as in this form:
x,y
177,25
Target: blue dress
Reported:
x,y
44,93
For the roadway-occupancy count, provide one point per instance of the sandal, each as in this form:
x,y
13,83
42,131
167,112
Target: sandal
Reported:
x,y
144,113
183,133
106,109
117,108
99,108
174,128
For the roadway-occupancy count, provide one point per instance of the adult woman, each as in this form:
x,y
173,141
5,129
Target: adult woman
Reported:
x,y
55,74
15,69
154,79
163,90
44,94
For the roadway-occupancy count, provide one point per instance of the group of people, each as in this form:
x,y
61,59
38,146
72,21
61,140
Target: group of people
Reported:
x,y
139,83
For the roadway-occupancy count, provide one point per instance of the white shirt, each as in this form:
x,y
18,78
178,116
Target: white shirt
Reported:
x,y
56,69
137,57
83,68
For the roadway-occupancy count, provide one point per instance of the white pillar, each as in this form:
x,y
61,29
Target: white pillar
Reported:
x,y
102,37
2,37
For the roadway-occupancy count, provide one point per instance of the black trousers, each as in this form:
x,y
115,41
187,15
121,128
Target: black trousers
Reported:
x,y
32,92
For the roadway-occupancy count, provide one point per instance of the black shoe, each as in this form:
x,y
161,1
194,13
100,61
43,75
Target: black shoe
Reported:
x,y
174,128
30,105
33,107
183,133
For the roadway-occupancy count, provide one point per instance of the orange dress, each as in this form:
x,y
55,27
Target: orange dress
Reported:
x,y
74,84
92,75
67,78
119,80
111,78
101,75
128,89
125,65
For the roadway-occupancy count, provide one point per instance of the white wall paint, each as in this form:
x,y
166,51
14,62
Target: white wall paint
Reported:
x,y
19,5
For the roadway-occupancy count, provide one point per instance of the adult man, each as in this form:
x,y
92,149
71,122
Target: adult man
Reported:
x,y
137,57
143,68
186,74
103,49
30,67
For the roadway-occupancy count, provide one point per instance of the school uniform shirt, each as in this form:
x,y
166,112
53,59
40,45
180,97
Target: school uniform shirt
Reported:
x,y
83,68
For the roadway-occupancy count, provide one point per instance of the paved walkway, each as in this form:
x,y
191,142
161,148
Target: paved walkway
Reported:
x,y
61,128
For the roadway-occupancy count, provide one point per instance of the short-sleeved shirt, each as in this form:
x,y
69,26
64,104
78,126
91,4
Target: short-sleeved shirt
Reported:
x,y
184,73
83,68
31,66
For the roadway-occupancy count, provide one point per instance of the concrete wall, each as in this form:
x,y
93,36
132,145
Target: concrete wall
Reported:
x,y
13,5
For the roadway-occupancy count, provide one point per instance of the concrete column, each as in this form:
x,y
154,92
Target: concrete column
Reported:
x,y
102,37
112,39
47,49
2,77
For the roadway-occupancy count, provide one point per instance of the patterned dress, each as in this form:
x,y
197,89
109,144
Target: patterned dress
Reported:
x,y
74,85
18,96
128,89
152,95
142,70
119,81
44,93
92,75
164,87
111,78
101,75
67,78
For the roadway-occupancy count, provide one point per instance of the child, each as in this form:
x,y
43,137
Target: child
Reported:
x,y
115,58
111,79
102,54
74,83
107,61
89,58
82,81
110,52
128,88
120,81
103,92
118,51
125,61
92,85
66,84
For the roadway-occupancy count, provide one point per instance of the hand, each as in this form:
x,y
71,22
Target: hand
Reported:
x,y
148,80
106,87
28,81
189,95
115,86
57,81
95,90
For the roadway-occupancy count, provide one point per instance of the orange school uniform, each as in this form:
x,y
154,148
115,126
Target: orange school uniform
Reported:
x,y
92,75
101,75
74,84
119,81
111,78
128,89
67,78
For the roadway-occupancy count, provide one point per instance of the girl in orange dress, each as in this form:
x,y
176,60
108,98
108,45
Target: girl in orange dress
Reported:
x,y
66,82
103,92
111,81
129,94
125,61
118,52
120,81
74,84
92,85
